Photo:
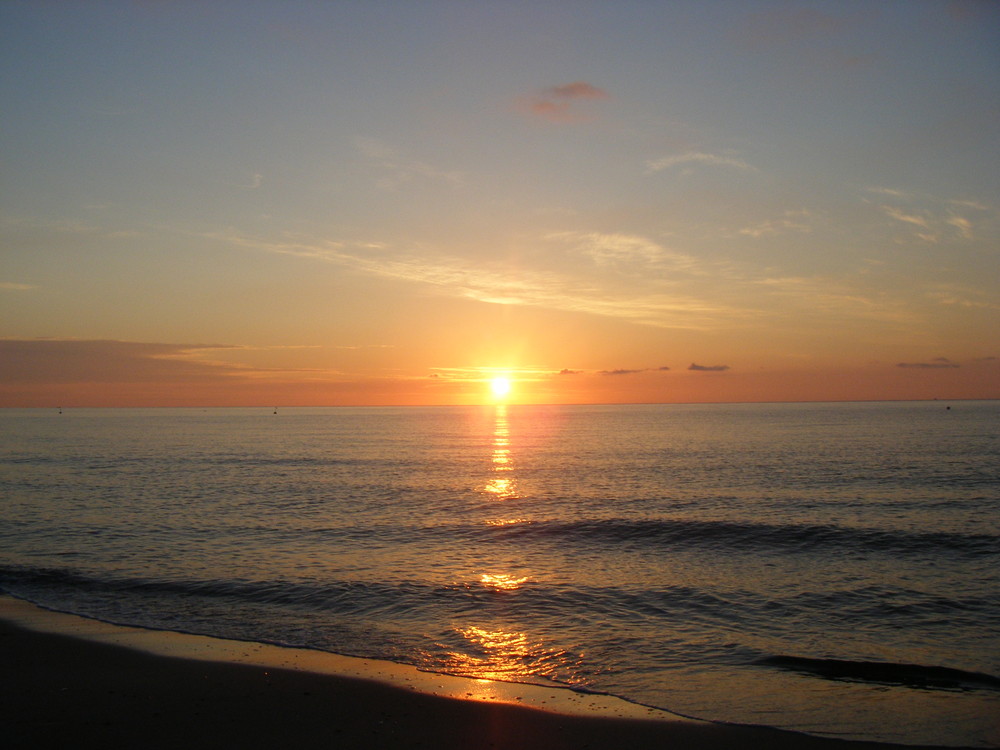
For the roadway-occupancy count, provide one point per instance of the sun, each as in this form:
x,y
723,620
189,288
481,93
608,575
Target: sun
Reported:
x,y
500,387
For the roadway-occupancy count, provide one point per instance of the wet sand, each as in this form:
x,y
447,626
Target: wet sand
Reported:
x,y
66,680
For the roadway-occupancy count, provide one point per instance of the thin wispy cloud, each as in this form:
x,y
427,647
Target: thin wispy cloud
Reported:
x,y
790,221
479,374
628,277
16,287
625,251
695,158
658,305
930,218
398,169
960,295
68,227
962,225
909,218
833,298
975,205
61,226
893,192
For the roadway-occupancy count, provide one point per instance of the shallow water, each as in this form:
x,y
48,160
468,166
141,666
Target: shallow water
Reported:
x,y
832,568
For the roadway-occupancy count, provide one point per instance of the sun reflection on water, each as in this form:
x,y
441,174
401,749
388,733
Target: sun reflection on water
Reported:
x,y
502,484
494,653
501,655
502,581
503,489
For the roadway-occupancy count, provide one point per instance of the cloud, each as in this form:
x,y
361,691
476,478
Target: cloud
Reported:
x,y
975,205
68,227
252,182
836,299
561,103
791,221
887,191
484,374
629,253
497,283
695,158
14,286
620,276
957,299
900,215
963,225
633,372
961,295
399,169
570,372
708,368
937,363
106,361
933,219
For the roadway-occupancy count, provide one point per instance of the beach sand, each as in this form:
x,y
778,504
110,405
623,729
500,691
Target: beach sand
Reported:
x,y
67,680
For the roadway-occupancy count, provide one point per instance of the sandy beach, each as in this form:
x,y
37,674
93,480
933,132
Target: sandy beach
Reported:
x,y
67,679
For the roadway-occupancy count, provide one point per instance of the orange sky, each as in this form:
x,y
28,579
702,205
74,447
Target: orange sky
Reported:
x,y
373,203
125,374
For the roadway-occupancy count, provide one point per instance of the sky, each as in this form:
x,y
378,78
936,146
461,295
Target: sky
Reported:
x,y
352,203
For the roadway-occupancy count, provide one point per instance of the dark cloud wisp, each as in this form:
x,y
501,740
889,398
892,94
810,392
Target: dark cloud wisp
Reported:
x,y
708,368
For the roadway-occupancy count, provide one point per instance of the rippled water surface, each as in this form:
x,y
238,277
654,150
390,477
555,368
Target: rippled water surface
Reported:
x,y
833,568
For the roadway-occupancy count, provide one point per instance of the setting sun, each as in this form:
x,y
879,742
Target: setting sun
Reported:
x,y
500,387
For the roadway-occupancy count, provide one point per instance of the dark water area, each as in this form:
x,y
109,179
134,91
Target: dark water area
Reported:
x,y
829,568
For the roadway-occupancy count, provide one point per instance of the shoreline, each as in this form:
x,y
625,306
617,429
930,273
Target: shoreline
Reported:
x,y
67,678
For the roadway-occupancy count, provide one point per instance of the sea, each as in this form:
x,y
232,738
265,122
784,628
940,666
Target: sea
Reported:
x,y
829,568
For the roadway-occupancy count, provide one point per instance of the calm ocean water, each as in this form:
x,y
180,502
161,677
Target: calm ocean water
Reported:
x,y
831,568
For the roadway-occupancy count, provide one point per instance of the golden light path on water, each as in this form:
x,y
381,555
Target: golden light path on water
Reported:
x,y
501,484
494,653
505,655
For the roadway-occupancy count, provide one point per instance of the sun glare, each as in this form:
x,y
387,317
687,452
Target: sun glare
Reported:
x,y
500,387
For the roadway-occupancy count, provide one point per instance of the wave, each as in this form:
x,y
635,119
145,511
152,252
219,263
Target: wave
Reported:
x,y
614,533
557,603
745,535
886,673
